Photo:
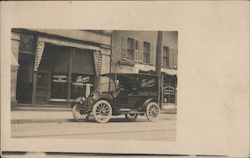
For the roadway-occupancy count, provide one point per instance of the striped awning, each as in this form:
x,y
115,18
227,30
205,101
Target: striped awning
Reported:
x,y
41,44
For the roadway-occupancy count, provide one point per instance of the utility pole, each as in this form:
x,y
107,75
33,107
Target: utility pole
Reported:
x,y
158,64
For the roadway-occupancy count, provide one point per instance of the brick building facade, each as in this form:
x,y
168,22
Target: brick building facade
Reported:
x,y
135,51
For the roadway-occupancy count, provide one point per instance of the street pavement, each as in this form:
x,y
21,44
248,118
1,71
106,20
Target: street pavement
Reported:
x,y
42,114
27,122
117,128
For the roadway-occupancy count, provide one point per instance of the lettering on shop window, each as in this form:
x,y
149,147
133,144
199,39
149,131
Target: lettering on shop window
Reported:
x,y
168,90
60,78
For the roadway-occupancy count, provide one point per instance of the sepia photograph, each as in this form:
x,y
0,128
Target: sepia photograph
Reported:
x,y
94,84
124,79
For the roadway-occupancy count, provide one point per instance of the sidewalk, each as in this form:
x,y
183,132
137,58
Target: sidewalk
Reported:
x,y
169,108
45,114
39,114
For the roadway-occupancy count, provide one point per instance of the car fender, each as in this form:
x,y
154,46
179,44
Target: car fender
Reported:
x,y
110,101
80,100
146,102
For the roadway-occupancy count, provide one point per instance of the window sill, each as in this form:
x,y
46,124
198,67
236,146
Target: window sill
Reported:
x,y
143,63
126,62
166,67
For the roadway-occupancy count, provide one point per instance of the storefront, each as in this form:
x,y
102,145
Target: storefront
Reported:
x,y
169,86
64,73
57,70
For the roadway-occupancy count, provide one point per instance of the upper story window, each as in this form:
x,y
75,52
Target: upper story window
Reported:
x,y
170,58
165,62
137,45
130,48
146,52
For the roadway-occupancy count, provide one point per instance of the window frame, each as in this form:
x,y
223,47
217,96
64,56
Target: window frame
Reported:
x,y
166,56
146,54
130,51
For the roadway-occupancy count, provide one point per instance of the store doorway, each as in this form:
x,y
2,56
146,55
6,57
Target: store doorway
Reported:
x,y
64,74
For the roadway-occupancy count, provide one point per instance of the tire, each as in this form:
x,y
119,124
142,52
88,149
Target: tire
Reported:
x,y
102,111
131,117
77,114
152,111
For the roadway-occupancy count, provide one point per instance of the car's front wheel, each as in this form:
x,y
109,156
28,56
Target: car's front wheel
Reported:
x,y
78,113
152,111
102,111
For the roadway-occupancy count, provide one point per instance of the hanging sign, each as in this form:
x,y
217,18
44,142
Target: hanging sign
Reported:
x,y
81,80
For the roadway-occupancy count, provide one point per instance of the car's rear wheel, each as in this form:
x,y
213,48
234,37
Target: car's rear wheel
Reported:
x,y
152,111
131,117
78,113
102,111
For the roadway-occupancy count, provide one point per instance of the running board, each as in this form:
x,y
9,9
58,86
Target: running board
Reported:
x,y
130,111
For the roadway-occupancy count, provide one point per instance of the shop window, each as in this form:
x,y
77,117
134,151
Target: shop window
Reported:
x,y
83,71
59,86
83,62
146,52
60,62
60,58
169,89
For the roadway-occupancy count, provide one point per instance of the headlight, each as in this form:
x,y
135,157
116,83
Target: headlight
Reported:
x,y
94,97
82,100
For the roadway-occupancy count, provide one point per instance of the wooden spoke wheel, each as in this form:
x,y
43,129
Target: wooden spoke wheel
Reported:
x,y
102,111
78,113
152,111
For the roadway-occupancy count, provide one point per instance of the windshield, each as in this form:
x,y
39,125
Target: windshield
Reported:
x,y
106,84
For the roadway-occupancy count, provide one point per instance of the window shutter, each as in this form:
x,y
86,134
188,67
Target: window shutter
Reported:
x,y
136,52
140,51
175,58
124,47
164,49
152,54
171,58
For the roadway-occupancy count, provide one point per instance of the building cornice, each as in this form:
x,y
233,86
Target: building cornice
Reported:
x,y
72,35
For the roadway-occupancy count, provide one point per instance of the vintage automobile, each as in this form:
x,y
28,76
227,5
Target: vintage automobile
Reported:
x,y
117,94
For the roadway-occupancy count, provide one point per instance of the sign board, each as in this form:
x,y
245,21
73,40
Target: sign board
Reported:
x,y
168,90
59,78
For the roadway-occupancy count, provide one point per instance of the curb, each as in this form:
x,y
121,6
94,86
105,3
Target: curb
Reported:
x,y
58,120
40,121
41,109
